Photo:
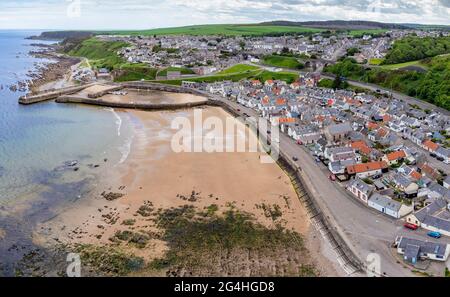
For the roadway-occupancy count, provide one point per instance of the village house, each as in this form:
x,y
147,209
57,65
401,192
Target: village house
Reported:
x,y
405,184
388,206
366,170
434,217
430,146
360,189
414,250
394,157
337,133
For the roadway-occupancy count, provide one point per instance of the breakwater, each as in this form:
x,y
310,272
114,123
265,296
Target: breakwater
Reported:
x,y
50,95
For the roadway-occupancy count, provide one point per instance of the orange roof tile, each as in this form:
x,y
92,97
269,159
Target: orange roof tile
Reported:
x,y
416,175
365,167
431,145
396,155
361,146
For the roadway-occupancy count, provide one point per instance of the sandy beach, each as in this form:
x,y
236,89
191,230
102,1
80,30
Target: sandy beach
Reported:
x,y
153,176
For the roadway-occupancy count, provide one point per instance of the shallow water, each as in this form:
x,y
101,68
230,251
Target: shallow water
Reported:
x,y
35,143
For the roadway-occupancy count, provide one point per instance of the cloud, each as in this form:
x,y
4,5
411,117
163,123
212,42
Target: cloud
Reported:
x,y
140,14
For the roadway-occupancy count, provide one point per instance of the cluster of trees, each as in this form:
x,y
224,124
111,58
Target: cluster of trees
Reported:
x,y
432,86
415,48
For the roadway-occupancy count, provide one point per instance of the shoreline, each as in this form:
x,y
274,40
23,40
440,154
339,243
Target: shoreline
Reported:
x,y
131,179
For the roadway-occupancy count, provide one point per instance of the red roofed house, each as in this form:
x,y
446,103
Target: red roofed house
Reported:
x,y
430,146
366,170
361,147
393,158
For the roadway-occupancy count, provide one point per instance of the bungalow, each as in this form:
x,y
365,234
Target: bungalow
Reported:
x,y
366,170
394,157
405,185
444,153
360,189
434,217
386,205
430,146
414,250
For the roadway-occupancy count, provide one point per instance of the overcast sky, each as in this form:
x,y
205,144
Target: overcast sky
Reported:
x,y
140,14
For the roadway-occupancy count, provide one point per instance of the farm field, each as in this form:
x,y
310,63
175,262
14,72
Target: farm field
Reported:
x,y
283,62
221,29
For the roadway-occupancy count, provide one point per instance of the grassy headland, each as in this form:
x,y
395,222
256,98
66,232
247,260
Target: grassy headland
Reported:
x,y
103,54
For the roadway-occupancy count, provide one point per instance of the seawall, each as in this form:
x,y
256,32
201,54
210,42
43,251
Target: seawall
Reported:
x,y
44,96
345,255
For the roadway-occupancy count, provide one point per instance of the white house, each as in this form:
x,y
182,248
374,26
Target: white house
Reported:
x,y
414,250
360,189
386,205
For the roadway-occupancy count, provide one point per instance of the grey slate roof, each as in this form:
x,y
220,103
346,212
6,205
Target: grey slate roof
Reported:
x,y
340,128
424,246
386,202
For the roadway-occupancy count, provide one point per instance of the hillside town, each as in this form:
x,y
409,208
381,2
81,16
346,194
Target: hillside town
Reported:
x,y
208,54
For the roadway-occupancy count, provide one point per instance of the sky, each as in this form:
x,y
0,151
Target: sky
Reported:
x,y
140,14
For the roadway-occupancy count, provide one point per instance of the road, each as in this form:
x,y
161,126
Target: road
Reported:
x,y
366,231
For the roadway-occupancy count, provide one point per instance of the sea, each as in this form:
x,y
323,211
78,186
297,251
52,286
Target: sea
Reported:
x,y
51,154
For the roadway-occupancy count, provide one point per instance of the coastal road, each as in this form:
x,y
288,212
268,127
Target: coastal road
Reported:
x,y
366,231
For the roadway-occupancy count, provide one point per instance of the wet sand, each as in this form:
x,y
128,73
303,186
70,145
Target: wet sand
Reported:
x,y
152,96
154,173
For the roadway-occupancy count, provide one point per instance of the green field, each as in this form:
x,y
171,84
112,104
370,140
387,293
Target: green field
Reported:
x,y
360,33
283,62
239,68
244,73
101,54
221,29
183,70
375,61
403,65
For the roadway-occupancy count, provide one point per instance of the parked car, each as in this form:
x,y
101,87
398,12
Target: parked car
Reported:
x,y
440,159
332,177
434,234
433,155
295,159
411,226
268,132
238,110
299,142
318,160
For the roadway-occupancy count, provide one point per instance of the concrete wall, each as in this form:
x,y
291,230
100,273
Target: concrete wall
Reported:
x,y
51,95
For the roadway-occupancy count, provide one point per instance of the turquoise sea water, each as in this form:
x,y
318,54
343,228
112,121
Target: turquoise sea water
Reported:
x,y
35,143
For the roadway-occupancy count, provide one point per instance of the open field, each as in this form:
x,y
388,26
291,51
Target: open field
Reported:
x,y
360,33
403,65
283,62
182,70
239,68
220,29
375,61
